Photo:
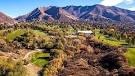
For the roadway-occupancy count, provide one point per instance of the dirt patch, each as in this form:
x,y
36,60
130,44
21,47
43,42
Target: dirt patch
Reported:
x,y
32,70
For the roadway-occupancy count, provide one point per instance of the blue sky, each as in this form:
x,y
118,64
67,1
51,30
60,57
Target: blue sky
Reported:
x,y
15,8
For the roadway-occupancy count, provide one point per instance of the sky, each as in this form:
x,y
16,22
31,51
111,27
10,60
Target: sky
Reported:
x,y
14,8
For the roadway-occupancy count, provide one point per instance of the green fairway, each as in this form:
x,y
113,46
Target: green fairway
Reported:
x,y
40,59
110,41
130,55
11,36
37,32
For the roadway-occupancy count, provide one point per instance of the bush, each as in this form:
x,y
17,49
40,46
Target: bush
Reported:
x,y
55,64
10,68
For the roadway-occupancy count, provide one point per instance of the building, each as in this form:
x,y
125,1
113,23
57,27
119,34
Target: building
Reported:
x,y
85,33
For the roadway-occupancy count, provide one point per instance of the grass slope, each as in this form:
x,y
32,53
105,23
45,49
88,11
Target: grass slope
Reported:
x,y
130,54
40,59
37,32
11,36
109,41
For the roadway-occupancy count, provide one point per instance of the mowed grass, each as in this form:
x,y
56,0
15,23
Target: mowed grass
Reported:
x,y
109,41
130,55
40,59
11,36
37,32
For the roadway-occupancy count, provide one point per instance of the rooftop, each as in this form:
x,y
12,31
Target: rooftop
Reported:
x,y
85,31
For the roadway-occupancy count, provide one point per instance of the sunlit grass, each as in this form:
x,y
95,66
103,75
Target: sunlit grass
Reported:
x,y
130,55
37,32
40,59
109,41
11,36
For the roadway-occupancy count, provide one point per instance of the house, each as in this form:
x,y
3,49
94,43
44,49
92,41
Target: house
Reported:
x,y
85,33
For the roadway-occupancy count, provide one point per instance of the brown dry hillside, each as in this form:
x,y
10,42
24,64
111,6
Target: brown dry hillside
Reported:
x,y
96,59
6,19
80,13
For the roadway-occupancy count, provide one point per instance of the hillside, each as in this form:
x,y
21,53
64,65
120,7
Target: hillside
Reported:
x,y
81,13
53,49
47,14
6,19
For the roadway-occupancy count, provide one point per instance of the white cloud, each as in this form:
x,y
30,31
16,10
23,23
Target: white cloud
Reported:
x,y
132,8
111,2
129,1
116,2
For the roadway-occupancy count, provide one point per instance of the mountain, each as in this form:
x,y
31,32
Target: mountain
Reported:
x,y
47,14
6,19
101,12
85,13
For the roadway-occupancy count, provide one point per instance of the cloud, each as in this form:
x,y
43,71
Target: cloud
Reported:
x,y
116,2
129,1
132,8
111,2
